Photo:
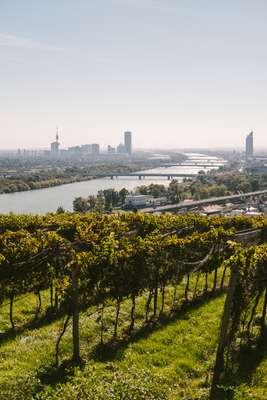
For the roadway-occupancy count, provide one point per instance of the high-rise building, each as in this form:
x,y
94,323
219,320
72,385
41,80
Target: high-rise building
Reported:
x,y
128,142
95,148
89,149
249,145
111,150
121,149
86,149
74,151
55,146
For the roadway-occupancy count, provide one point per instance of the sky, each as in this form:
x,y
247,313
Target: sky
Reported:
x,y
177,73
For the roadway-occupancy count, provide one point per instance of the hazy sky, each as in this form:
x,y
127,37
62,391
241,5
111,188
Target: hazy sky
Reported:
x,y
177,73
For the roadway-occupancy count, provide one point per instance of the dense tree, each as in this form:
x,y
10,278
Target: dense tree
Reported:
x,y
154,189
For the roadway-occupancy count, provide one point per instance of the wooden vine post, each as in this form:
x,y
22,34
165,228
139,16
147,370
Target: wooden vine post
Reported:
x,y
75,314
223,338
263,316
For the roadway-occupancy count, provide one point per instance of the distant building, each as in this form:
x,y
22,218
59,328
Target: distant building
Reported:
x,y
74,151
138,200
236,211
111,150
121,149
128,142
89,149
249,145
213,209
257,166
86,148
95,149
55,147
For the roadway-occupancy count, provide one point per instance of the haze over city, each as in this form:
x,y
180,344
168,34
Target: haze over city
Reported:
x,y
176,73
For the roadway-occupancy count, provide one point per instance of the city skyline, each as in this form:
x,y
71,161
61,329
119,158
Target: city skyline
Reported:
x,y
178,74
105,148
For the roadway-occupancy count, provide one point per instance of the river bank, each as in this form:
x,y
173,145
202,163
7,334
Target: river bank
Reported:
x,y
49,199
36,177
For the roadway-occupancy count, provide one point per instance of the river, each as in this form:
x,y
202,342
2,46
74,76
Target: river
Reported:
x,y
42,201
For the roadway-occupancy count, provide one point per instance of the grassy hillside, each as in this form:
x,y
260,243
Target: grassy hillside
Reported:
x,y
168,359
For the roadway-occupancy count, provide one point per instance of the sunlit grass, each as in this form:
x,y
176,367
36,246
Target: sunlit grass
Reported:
x,y
168,359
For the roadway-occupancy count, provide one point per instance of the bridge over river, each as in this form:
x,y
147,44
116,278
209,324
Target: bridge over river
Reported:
x,y
204,164
141,175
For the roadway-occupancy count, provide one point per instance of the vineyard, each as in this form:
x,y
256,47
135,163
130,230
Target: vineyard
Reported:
x,y
97,289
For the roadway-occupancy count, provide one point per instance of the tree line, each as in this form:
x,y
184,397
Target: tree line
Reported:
x,y
22,175
204,186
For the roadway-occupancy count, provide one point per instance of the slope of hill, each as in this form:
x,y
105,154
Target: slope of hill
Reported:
x,y
171,359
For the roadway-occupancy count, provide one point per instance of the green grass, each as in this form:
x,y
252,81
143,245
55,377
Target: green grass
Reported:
x,y
256,387
170,359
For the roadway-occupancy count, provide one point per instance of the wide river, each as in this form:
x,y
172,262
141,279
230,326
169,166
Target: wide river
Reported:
x,y
42,201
